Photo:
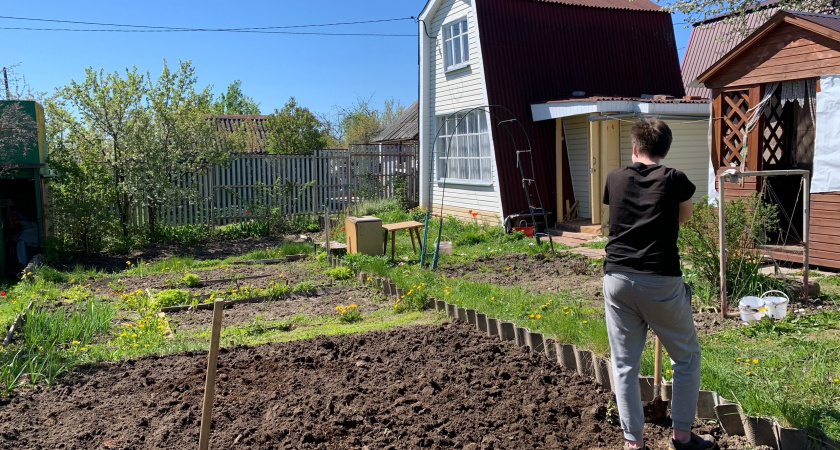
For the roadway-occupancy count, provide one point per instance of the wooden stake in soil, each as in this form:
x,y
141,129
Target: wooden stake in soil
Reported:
x,y
210,384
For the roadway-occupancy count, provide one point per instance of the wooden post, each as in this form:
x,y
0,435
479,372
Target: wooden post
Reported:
x,y
210,383
724,308
806,233
657,367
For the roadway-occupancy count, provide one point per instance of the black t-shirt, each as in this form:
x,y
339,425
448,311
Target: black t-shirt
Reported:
x,y
644,206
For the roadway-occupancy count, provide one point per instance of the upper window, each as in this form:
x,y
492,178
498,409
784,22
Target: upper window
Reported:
x,y
463,148
456,43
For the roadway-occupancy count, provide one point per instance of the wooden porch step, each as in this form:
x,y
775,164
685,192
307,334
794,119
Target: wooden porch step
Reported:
x,y
582,226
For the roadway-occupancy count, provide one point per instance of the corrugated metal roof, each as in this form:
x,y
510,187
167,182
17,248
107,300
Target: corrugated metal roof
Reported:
x,y
638,5
826,20
712,39
406,127
255,124
535,51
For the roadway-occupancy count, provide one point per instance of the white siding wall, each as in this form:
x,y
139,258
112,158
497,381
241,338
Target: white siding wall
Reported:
x,y
689,151
450,92
576,133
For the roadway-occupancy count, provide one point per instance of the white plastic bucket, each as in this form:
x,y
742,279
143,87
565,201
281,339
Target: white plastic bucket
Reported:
x,y
776,305
751,308
445,247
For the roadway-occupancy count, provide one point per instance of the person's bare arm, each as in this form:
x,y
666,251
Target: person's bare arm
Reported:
x,y
686,209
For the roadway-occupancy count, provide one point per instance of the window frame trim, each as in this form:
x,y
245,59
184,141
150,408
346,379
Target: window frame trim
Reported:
x,y
465,181
464,63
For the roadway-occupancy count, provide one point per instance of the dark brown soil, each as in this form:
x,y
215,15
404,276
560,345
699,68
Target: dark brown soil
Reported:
x,y
366,299
218,249
563,272
417,387
218,279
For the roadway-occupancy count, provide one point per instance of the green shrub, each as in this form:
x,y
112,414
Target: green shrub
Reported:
x,y
77,293
191,280
172,297
340,273
747,222
348,314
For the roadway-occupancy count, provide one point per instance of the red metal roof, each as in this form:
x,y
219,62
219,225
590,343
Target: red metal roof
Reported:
x,y
639,5
826,20
535,51
712,39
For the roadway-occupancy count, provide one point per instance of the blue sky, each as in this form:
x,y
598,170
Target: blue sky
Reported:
x,y
320,71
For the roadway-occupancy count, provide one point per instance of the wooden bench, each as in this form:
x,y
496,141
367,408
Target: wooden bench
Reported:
x,y
412,227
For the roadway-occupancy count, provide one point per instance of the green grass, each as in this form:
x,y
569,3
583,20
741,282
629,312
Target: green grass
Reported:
x,y
792,380
797,363
52,342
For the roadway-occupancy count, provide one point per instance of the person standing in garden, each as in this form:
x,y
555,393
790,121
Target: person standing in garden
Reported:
x,y
643,285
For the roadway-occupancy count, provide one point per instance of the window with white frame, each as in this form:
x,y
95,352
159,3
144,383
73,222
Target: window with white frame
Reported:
x,y
456,44
463,148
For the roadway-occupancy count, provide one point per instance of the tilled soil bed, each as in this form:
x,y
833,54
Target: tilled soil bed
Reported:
x,y
536,273
439,386
322,303
218,279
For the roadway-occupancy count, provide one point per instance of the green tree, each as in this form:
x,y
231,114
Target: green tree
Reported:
x,y
149,136
18,131
234,101
294,130
700,10
361,123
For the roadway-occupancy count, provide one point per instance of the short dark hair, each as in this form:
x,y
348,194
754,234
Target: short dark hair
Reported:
x,y
652,137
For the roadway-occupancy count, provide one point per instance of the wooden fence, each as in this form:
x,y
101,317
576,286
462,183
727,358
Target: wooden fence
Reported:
x,y
298,184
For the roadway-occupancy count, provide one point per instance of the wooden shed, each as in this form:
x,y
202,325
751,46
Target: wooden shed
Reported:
x,y
775,105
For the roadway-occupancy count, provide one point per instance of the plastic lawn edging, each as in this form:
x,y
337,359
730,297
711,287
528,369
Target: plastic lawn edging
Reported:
x,y
710,404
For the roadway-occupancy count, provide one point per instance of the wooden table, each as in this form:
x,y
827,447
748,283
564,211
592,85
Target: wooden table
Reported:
x,y
412,227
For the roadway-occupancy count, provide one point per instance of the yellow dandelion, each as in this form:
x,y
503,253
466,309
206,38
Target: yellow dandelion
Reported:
x,y
532,316
135,345
147,345
134,335
123,335
83,349
837,380
128,263
539,316
755,361
75,342
585,321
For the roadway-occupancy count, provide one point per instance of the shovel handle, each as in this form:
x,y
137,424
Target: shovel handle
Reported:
x,y
657,361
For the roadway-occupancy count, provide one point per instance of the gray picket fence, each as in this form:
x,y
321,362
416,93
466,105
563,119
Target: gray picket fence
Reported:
x,y
298,184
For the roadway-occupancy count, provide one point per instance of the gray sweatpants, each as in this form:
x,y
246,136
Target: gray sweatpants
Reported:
x,y
633,302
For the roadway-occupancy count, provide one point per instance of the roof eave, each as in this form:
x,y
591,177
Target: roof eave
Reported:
x,y
775,21
550,111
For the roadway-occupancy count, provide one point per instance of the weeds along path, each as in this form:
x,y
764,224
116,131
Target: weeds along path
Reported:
x,y
536,273
421,386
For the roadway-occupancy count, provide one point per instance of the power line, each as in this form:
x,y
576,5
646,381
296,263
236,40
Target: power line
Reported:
x,y
155,28
212,31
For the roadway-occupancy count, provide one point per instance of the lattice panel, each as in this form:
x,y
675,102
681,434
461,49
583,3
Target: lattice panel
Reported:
x,y
775,142
735,106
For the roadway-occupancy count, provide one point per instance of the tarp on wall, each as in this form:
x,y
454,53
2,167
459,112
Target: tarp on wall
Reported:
x,y
826,177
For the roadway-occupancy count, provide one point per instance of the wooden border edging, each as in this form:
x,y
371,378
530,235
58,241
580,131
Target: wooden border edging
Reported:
x,y
16,324
260,299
